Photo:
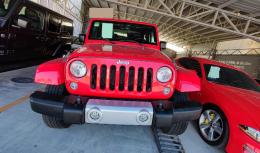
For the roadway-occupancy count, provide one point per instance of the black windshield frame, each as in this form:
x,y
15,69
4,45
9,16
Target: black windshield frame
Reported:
x,y
152,28
231,77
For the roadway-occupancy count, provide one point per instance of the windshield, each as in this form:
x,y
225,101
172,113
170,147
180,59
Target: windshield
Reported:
x,y
127,32
5,6
229,77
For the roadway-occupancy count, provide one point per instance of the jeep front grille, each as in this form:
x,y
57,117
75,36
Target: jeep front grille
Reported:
x,y
127,78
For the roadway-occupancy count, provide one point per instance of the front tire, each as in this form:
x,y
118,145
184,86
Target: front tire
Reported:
x,y
177,128
213,127
52,121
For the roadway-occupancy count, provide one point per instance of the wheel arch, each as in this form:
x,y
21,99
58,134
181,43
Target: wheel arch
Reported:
x,y
210,104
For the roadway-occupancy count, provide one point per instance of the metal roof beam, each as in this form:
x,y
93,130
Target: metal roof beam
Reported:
x,y
173,15
146,3
194,12
255,14
167,33
227,3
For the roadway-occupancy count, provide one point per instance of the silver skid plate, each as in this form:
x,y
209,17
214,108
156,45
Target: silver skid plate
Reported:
x,y
118,112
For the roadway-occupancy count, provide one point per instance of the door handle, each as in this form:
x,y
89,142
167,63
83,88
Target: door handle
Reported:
x,y
15,26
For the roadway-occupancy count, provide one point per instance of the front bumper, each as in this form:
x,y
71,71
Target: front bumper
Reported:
x,y
72,111
239,142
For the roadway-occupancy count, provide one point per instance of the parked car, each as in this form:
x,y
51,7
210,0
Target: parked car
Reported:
x,y
31,31
258,81
119,76
231,105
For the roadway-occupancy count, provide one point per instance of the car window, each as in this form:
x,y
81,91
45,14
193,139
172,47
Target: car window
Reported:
x,y
30,18
54,24
214,72
67,27
119,31
5,6
191,65
230,77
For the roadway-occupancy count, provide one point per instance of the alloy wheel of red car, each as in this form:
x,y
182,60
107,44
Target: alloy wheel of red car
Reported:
x,y
211,125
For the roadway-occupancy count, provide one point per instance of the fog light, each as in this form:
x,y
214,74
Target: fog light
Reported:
x,y
143,117
166,90
94,115
73,85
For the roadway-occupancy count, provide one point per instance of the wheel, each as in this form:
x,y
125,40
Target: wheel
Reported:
x,y
177,128
52,121
54,90
213,127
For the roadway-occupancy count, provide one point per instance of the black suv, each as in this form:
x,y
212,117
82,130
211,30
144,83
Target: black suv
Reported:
x,y
30,31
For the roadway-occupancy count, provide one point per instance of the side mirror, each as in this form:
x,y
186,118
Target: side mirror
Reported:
x,y
163,45
22,22
82,38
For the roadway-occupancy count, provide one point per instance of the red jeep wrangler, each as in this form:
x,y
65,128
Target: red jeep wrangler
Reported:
x,y
119,76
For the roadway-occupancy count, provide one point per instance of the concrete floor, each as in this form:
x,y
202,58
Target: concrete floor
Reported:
x,y
22,131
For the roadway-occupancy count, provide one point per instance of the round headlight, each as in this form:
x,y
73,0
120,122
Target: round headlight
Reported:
x,y
164,74
78,69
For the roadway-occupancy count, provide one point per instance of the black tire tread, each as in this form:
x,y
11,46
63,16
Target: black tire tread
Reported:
x,y
54,122
177,128
55,90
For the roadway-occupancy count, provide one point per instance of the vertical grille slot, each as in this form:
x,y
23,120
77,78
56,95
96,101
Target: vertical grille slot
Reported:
x,y
122,78
93,80
112,77
103,75
140,79
149,80
131,78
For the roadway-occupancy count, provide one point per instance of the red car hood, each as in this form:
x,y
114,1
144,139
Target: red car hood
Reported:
x,y
244,100
121,52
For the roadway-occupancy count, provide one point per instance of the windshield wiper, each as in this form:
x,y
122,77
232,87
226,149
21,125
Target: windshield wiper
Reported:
x,y
106,39
127,40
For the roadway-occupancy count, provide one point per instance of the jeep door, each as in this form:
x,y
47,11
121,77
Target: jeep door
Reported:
x,y
27,33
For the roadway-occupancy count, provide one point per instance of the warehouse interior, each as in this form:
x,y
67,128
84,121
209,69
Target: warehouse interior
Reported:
x,y
204,28
227,31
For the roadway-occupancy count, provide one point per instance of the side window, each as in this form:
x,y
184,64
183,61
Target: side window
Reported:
x,y
54,24
195,65
66,27
184,63
214,72
30,18
191,65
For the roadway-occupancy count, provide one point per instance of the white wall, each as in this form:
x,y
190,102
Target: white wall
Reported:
x,y
241,46
238,44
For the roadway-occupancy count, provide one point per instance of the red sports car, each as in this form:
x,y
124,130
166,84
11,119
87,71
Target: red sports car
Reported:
x,y
231,106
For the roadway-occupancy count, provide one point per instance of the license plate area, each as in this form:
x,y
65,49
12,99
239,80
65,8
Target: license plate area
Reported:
x,y
120,112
